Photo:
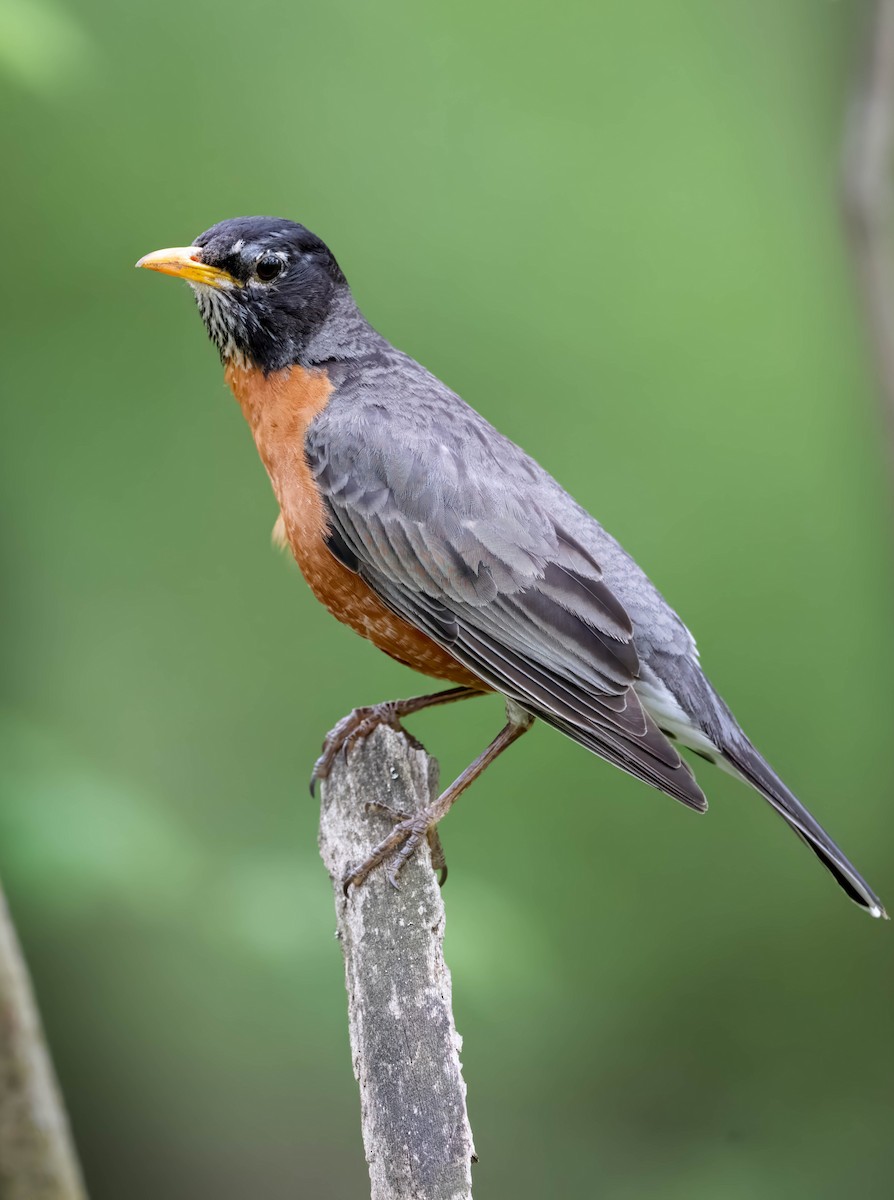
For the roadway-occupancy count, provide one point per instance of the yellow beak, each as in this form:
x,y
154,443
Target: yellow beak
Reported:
x,y
184,263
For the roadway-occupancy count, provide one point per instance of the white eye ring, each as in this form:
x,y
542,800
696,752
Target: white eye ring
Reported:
x,y
269,266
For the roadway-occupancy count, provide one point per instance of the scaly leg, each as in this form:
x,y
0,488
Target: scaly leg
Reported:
x,y
360,722
407,834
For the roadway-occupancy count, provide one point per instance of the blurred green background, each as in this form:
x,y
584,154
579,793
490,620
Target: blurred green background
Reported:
x,y
612,227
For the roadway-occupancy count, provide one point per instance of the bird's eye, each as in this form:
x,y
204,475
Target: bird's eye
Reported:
x,y
268,267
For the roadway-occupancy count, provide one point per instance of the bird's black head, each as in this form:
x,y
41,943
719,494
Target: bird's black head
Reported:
x,y
264,286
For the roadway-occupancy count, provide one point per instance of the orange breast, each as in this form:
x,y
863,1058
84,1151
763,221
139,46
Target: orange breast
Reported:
x,y
279,409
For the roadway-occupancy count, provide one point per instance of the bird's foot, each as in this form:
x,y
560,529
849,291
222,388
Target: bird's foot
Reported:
x,y
357,725
406,836
401,844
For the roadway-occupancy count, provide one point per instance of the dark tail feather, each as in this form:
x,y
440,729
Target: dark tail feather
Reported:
x,y
752,767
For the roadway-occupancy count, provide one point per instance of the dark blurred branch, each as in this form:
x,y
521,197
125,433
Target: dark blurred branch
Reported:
x,y
403,1038
866,196
37,1160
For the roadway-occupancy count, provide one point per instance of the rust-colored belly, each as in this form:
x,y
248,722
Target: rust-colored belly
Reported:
x,y
279,409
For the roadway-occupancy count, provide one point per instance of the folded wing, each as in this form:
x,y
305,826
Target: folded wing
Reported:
x,y
472,559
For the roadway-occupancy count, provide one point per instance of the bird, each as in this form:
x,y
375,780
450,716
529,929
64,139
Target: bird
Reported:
x,y
419,525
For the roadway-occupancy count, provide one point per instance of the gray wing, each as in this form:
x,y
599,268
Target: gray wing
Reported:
x,y
453,528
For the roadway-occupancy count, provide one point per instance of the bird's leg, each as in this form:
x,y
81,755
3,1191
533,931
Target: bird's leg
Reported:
x,y
407,835
360,722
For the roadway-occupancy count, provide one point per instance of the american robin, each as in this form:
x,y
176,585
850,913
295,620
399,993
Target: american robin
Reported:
x,y
419,525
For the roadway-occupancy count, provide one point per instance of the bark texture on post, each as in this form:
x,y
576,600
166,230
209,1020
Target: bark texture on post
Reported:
x,y
37,1159
404,1042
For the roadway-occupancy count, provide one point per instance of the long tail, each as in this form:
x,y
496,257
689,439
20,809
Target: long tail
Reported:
x,y
749,764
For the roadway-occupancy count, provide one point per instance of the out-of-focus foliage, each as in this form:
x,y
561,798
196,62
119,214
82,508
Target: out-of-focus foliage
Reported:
x,y
612,228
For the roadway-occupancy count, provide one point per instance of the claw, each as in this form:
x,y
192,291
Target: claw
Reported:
x,y
357,725
360,722
438,861
396,850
